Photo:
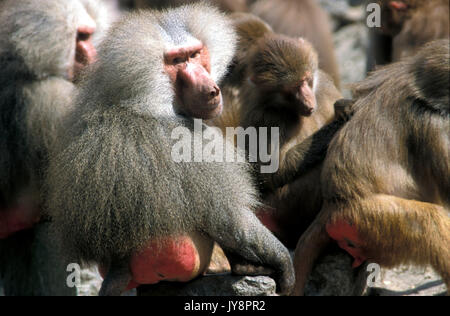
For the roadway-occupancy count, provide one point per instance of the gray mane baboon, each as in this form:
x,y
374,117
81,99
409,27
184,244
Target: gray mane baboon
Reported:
x,y
44,46
117,196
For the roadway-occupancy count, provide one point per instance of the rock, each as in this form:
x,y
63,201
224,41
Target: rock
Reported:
x,y
333,275
219,262
335,7
342,13
351,44
408,281
214,285
356,2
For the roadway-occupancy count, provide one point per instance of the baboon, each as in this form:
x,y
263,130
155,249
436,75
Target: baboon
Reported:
x,y
225,5
386,177
43,47
301,158
104,13
249,29
303,18
287,90
406,26
117,193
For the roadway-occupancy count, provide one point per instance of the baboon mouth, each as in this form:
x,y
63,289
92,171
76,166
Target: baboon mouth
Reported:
x,y
208,111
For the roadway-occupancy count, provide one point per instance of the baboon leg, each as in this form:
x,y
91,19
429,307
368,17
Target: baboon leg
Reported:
x,y
383,229
49,265
397,231
244,236
32,265
313,241
117,279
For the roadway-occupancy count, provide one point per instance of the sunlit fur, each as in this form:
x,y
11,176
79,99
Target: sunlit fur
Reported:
x,y
113,184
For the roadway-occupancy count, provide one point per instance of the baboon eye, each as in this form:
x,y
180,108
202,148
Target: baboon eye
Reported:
x,y
195,55
178,61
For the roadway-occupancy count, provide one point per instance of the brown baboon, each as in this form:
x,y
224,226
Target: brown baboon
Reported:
x,y
302,18
285,89
118,194
407,25
43,46
249,29
386,177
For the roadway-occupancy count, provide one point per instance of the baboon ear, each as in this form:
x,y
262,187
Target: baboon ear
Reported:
x,y
398,6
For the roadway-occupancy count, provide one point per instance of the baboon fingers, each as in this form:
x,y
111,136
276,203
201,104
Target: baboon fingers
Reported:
x,y
251,243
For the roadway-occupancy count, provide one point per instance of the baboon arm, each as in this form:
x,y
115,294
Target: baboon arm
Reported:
x,y
309,248
301,158
247,242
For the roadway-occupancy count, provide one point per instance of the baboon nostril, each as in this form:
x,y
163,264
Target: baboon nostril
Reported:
x,y
215,92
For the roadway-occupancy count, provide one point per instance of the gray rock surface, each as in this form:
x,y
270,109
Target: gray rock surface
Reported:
x,y
334,276
214,285
351,42
408,281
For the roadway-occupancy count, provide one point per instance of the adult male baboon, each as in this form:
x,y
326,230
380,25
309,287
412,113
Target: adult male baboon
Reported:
x,y
117,194
225,5
44,45
386,178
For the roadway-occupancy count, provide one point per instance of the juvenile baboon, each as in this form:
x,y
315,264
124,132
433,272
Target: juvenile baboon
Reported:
x,y
407,25
43,46
249,29
386,178
286,90
116,193
303,18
